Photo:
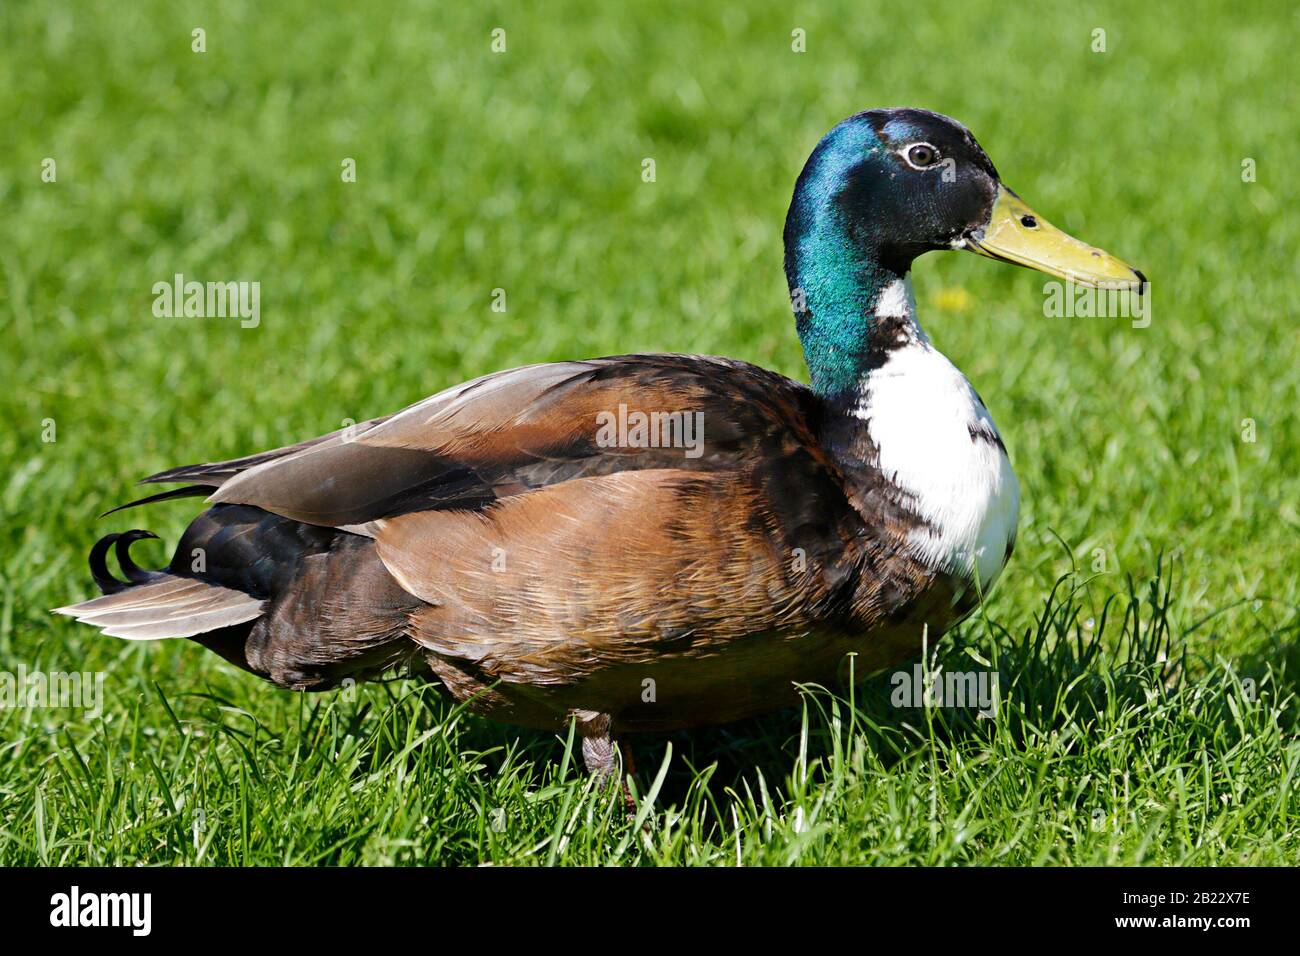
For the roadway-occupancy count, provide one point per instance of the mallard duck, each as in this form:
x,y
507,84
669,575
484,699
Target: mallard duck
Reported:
x,y
644,542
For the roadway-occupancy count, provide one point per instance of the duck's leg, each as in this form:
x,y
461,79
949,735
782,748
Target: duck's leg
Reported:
x,y
625,751
599,751
596,731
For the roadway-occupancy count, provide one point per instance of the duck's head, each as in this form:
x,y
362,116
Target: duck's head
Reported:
x,y
886,186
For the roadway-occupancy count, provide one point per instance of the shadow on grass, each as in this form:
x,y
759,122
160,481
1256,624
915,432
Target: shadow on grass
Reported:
x,y
1067,673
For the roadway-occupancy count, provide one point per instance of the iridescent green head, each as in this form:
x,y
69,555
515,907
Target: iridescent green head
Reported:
x,y
882,188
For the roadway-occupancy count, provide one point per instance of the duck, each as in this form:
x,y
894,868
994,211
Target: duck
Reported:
x,y
646,542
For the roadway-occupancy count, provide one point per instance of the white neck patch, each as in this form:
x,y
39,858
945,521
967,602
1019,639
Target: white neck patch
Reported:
x,y
937,441
897,299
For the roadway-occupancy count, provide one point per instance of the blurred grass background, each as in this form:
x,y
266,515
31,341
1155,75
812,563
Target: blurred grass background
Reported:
x,y
522,171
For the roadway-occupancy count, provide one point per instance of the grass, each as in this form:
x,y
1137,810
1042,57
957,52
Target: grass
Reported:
x,y
1145,631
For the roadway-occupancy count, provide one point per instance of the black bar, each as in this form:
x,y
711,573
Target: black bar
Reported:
x,y
334,906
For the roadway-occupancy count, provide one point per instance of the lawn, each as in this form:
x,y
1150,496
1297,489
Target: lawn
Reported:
x,y
1144,633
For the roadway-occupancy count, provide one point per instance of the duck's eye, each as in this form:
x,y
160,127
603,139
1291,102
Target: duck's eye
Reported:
x,y
922,155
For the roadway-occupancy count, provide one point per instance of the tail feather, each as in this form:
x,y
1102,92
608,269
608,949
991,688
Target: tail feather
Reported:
x,y
149,608
189,491
122,548
301,605
155,604
123,599
168,607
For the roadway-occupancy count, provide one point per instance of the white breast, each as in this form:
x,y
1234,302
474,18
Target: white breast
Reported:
x,y
934,437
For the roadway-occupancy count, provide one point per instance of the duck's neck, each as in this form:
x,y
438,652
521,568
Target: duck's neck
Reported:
x,y
852,306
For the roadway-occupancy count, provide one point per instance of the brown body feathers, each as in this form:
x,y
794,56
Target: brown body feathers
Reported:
x,y
492,539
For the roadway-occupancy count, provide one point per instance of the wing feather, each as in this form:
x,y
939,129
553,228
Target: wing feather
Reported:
x,y
523,429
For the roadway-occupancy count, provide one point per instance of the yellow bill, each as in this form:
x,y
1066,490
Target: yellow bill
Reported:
x,y
1015,233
